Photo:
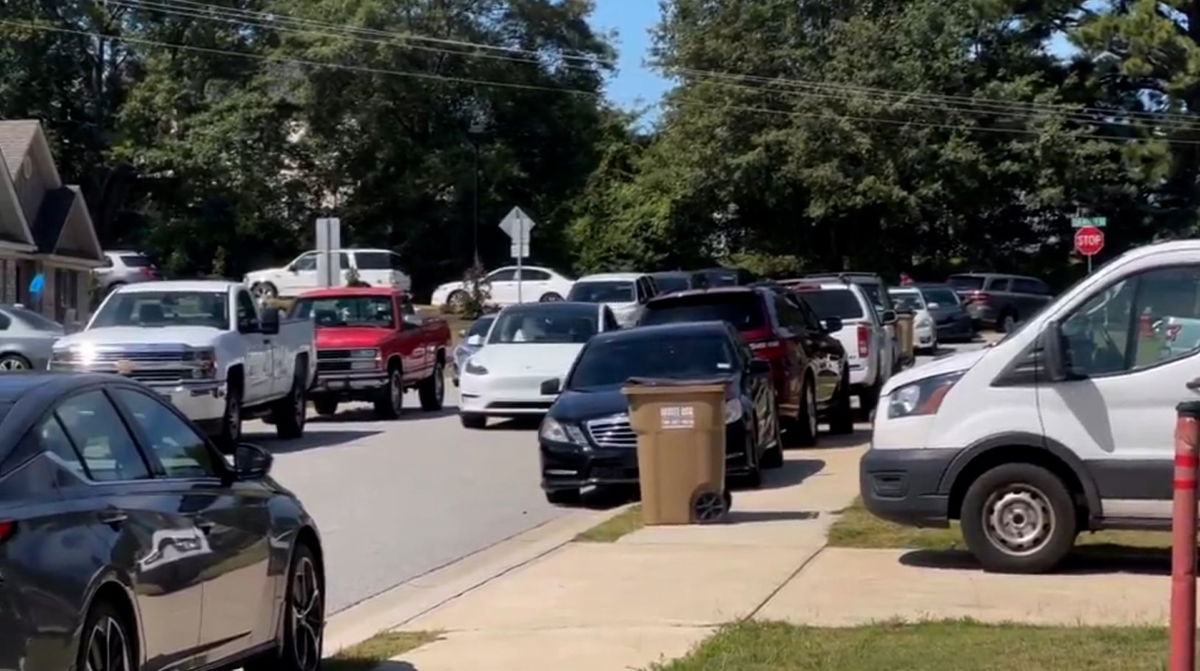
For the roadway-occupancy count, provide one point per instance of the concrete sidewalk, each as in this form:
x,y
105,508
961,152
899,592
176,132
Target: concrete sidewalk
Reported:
x,y
652,595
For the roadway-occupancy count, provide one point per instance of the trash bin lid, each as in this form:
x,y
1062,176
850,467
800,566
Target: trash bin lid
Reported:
x,y
659,385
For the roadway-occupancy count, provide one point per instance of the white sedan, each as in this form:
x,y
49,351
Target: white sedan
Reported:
x,y
508,286
527,346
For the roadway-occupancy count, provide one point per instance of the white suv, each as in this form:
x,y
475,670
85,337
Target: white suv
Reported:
x,y
625,293
870,349
1065,426
376,267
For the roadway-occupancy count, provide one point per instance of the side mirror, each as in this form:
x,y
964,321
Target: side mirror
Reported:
x,y
760,367
833,324
889,317
1053,362
251,462
552,387
475,340
269,321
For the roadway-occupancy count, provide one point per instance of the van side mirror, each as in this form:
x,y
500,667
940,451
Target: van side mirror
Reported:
x,y
833,324
1054,364
888,317
551,387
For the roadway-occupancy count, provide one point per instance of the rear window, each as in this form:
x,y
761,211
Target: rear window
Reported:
x,y
840,303
1025,286
944,298
742,310
966,282
671,283
136,261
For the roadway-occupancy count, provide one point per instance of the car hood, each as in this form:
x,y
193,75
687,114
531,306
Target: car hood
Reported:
x,y
192,336
579,406
341,337
526,359
953,363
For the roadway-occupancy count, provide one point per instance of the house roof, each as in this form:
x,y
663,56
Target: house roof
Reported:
x,y
52,218
16,138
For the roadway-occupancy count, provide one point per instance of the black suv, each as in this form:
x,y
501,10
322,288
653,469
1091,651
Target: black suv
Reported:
x,y
808,365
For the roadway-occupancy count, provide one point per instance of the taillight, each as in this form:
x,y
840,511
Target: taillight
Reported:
x,y
764,344
864,341
979,297
7,529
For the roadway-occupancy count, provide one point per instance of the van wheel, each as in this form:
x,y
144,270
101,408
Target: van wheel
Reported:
x,y
433,389
1018,518
389,400
107,642
841,416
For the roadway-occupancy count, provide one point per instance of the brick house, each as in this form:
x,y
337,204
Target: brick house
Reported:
x,y
45,228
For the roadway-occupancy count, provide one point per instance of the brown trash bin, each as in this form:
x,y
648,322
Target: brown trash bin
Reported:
x,y
904,329
680,425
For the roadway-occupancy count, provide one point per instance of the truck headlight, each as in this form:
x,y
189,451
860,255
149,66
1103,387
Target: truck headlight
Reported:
x,y
733,410
364,354
922,397
205,361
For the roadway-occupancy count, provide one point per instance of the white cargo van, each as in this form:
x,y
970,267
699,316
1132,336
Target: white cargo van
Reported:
x,y
1065,426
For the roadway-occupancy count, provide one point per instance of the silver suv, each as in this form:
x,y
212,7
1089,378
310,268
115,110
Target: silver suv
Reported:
x,y
125,267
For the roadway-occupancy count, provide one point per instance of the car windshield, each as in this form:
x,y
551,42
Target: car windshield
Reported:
x,y
676,357
907,300
481,326
669,283
840,303
165,308
614,291
742,309
33,320
338,311
965,282
545,324
945,298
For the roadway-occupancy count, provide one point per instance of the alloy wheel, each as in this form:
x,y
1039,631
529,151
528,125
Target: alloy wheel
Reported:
x,y
1018,519
107,647
307,619
13,363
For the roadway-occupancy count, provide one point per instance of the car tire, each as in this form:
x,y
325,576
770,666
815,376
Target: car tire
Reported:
x,y
550,298
802,430
1018,518
773,456
230,432
841,415
325,406
389,399
457,301
471,420
563,497
264,290
106,630
433,389
303,618
11,363
290,413
868,397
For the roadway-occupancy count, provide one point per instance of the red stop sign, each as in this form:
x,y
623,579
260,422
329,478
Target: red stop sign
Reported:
x,y
1089,240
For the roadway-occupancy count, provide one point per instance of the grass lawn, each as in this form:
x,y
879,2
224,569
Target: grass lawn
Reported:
x,y
857,528
610,530
931,646
378,649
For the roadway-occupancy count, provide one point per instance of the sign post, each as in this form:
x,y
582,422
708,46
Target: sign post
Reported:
x,y
1089,240
329,263
517,226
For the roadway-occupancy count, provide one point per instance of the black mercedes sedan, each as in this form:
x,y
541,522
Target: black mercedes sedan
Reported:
x,y
586,440
127,542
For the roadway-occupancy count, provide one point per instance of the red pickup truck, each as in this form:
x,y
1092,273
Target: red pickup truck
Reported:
x,y
373,346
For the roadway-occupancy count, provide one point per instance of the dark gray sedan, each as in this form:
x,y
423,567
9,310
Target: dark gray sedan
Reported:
x,y
127,542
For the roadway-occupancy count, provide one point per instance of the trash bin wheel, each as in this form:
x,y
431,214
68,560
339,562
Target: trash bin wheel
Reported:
x,y
710,507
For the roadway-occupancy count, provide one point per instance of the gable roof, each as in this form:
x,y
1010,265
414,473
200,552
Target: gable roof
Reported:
x,y
64,226
14,228
16,139
52,218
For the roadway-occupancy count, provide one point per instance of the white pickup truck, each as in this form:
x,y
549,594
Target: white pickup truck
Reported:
x,y
206,346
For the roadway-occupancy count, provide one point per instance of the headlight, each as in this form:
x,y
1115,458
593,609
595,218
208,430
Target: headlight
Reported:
x,y
924,322
473,368
923,397
364,353
205,361
555,431
733,410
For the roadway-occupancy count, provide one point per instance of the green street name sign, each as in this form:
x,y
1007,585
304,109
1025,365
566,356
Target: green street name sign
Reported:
x,y
1084,222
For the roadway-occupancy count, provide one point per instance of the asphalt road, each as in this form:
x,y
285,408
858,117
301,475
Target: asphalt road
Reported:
x,y
394,500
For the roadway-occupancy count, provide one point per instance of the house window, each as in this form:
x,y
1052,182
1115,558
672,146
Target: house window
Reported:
x,y
66,290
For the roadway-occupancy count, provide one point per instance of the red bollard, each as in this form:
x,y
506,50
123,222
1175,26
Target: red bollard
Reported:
x,y
1183,545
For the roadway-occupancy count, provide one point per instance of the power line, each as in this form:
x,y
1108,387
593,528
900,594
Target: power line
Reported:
x,y
967,104
534,87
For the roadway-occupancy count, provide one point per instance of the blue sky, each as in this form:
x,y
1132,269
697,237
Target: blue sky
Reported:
x,y
634,85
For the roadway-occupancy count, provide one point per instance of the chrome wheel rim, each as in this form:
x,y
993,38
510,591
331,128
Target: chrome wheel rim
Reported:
x,y
1018,519
13,363
307,616
396,392
107,647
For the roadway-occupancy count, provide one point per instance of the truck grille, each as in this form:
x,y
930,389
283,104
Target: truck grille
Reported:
x,y
145,363
341,361
612,432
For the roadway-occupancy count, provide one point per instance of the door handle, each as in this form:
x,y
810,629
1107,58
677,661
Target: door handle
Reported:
x,y
1194,384
113,518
